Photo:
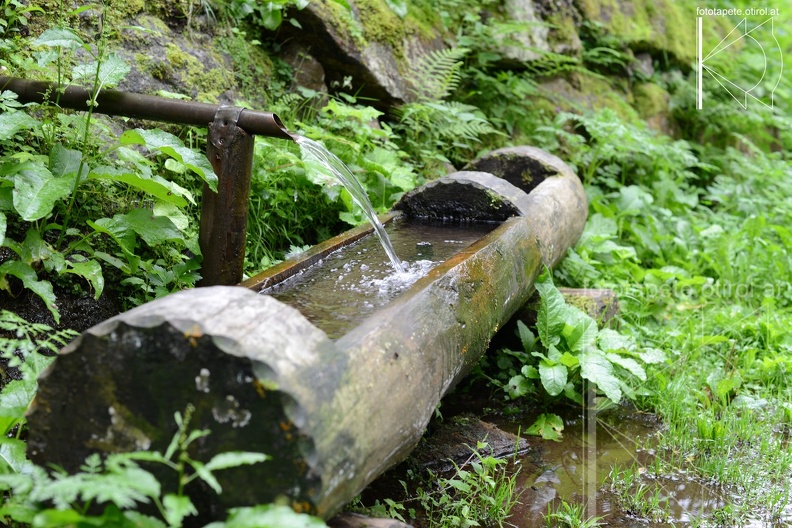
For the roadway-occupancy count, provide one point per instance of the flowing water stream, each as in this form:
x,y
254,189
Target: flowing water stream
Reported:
x,y
329,164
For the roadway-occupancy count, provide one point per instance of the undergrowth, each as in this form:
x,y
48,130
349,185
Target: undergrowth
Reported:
x,y
691,231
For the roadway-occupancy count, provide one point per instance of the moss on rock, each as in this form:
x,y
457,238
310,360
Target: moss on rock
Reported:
x,y
580,92
657,26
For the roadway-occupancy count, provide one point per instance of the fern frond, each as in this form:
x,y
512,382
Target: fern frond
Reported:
x,y
436,74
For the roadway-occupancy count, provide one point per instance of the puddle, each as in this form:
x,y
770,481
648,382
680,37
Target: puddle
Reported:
x,y
577,469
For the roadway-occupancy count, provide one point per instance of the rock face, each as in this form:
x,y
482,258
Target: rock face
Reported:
x,y
549,26
162,58
367,48
658,27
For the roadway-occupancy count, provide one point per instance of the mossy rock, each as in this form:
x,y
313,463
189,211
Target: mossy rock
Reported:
x,y
368,43
580,92
659,27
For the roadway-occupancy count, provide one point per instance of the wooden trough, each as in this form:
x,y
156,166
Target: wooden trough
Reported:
x,y
333,413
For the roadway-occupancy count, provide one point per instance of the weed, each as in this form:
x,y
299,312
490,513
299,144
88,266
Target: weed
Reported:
x,y
568,515
479,492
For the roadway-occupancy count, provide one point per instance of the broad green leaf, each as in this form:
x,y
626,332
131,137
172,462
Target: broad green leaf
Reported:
x,y
629,364
172,146
143,521
52,518
573,393
568,360
609,339
13,122
234,459
16,396
633,200
12,454
177,508
552,310
34,249
519,386
553,354
59,38
112,71
596,368
527,338
30,281
153,229
530,372
119,230
580,330
554,377
652,355
90,271
36,192
6,197
548,426
3,226
154,185
176,215
64,161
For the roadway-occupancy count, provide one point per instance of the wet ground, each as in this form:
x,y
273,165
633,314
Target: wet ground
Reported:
x,y
575,470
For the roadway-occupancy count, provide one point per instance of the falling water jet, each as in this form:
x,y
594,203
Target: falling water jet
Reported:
x,y
339,171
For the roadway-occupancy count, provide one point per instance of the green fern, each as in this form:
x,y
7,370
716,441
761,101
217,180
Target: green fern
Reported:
x,y
437,74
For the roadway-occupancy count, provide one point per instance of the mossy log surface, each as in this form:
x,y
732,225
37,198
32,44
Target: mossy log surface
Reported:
x,y
332,414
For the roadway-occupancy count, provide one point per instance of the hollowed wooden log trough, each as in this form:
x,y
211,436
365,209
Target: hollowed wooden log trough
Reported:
x,y
333,414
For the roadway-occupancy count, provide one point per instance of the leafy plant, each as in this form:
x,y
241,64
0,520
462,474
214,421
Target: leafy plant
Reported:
x,y
14,15
440,131
119,484
482,494
20,365
571,350
570,515
41,194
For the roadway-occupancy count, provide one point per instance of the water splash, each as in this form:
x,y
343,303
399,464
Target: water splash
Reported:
x,y
330,162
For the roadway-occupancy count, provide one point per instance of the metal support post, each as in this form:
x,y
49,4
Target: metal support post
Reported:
x,y
224,213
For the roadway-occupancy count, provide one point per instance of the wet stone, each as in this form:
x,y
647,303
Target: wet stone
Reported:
x,y
356,520
454,442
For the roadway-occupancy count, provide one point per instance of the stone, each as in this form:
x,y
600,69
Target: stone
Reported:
x,y
165,59
308,72
658,27
356,520
454,441
533,28
653,104
527,45
601,304
366,49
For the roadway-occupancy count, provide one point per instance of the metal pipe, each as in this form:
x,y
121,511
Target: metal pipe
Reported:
x,y
113,102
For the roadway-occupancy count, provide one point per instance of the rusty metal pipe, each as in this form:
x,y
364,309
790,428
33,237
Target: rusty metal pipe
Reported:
x,y
139,106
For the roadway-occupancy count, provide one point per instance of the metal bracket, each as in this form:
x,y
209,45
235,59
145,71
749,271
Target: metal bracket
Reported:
x,y
223,128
